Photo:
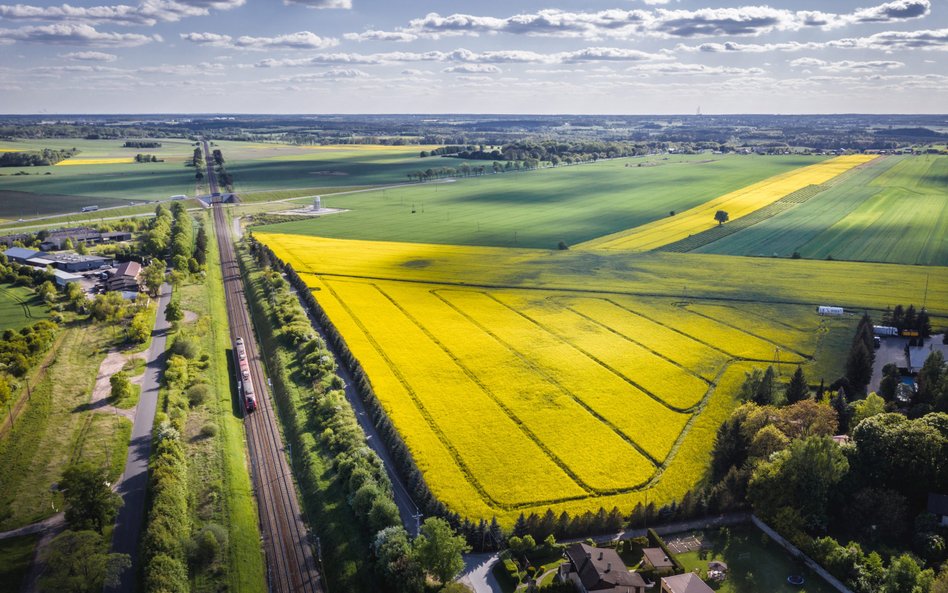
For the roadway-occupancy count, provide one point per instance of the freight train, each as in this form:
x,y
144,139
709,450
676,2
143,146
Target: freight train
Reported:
x,y
244,380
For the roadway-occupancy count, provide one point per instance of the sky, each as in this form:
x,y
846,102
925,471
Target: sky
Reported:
x,y
489,56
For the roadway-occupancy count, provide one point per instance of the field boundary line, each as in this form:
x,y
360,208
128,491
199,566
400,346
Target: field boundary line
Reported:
x,y
452,450
521,424
778,345
546,375
597,360
637,343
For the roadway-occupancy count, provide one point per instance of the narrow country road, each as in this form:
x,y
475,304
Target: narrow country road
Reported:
x,y
133,485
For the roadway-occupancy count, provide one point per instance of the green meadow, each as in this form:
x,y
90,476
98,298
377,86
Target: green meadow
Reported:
x,y
539,208
894,211
20,307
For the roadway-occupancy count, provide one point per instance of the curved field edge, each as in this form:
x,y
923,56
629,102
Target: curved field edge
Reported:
x,y
737,204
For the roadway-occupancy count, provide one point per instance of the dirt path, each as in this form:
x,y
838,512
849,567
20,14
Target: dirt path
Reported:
x,y
113,363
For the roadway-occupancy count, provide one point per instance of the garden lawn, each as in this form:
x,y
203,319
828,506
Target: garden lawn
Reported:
x,y
755,563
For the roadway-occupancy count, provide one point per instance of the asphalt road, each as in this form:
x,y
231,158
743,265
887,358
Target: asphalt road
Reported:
x,y
133,486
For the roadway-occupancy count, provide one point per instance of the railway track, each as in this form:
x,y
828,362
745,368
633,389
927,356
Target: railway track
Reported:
x,y
291,564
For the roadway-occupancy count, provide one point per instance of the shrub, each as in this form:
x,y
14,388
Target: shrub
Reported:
x,y
209,430
185,347
198,395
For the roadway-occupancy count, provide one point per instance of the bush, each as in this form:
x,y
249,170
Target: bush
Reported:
x,y
209,430
185,347
206,548
198,395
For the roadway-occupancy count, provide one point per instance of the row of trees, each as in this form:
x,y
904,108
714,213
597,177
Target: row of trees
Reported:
x,y
141,144
553,151
907,318
466,170
40,158
147,158
400,562
170,547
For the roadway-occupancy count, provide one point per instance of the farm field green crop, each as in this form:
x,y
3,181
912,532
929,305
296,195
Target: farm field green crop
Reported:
x,y
539,208
894,210
20,307
64,188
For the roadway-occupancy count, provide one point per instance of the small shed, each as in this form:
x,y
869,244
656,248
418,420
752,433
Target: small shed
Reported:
x,y
828,310
656,559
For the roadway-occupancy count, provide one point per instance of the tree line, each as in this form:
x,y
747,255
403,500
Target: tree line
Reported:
x,y
38,158
466,170
141,144
147,158
328,427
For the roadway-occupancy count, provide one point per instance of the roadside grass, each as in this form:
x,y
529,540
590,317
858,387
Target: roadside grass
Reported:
x,y
75,218
15,557
47,435
219,481
252,197
20,307
755,563
103,441
134,367
538,208
344,546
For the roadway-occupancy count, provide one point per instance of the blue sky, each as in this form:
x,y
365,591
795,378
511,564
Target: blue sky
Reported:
x,y
441,56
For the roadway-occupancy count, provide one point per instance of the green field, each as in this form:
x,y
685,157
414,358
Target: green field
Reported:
x,y
20,307
540,208
895,210
280,166
64,188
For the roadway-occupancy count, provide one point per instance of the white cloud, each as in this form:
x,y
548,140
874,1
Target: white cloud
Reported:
x,y
300,40
473,69
899,10
625,24
89,56
885,41
321,3
73,34
148,13
847,65
373,35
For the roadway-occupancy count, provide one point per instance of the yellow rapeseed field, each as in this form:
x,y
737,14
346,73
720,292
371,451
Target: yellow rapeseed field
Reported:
x,y
93,161
523,380
737,204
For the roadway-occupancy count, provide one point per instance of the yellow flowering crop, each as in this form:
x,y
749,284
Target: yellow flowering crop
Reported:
x,y
91,161
737,204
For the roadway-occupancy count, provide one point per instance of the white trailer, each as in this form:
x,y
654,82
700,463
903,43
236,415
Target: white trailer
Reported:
x,y
885,330
827,310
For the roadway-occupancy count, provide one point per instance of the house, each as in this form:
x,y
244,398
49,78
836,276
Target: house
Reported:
x,y
685,583
938,506
600,570
126,277
19,255
656,559
89,236
9,240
